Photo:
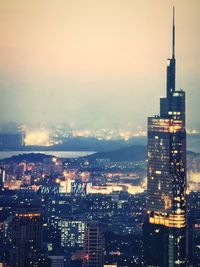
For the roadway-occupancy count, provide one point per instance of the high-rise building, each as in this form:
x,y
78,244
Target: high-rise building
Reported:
x,y
2,178
26,238
72,233
193,218
194,241
165,231
93,245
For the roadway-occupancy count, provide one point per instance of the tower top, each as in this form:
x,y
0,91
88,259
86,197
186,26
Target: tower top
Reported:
x,y
173,34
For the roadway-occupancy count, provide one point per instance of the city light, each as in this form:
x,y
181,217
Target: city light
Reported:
x,y
37,137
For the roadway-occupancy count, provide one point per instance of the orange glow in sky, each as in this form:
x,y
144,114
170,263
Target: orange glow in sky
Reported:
x,y
94,62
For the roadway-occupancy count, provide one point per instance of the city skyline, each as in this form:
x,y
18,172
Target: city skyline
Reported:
x,y
96,190
94,64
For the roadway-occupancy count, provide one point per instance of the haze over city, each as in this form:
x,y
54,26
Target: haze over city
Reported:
x,y
95,63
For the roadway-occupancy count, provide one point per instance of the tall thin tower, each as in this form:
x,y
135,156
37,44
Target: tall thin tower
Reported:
x,y
164,233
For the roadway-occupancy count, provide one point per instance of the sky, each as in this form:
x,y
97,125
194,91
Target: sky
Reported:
x,y
95,63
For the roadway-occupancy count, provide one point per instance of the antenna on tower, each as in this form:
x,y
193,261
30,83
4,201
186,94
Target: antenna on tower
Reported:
x,y
173,34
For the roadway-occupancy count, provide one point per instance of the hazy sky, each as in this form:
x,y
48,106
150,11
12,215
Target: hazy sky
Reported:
x,y
96,63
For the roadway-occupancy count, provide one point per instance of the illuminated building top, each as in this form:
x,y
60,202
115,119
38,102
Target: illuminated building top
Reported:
x,y
167,155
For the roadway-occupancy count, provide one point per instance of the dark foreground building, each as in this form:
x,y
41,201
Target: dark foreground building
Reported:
x,y
93,245
165,231
26,238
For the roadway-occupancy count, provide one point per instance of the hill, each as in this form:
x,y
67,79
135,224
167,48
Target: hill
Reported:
x,y
30,157
131,153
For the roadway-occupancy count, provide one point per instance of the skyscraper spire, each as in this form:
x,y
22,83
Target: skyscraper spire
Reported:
x,y
173,34
171,68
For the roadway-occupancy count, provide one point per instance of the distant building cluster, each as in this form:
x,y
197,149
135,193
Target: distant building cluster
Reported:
x,y
74,212
70,212
11,141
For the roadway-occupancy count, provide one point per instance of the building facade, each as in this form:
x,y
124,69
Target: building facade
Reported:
x,y
72,233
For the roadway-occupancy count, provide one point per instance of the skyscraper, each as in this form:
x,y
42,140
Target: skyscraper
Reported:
x,y
26,237
164,233
2,178
93,245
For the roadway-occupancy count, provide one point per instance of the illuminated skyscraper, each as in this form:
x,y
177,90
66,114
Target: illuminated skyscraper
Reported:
x,y
165,239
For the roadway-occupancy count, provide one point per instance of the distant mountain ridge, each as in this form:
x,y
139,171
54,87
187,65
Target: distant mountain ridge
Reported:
x,y
129,153
29,157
